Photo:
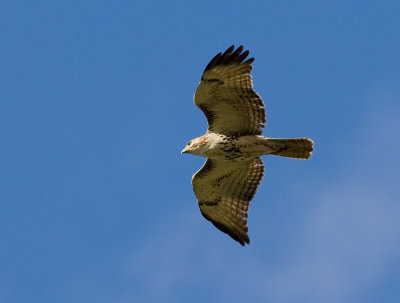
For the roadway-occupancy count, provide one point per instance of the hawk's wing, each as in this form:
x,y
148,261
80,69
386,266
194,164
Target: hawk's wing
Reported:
x,y
224,190
226,96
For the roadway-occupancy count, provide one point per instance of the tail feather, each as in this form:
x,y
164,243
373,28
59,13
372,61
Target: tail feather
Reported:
x,y
299,148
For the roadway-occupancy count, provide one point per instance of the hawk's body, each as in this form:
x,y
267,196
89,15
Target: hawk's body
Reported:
x,y
233,143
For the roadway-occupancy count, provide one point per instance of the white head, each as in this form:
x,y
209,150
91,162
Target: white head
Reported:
x,y
195,146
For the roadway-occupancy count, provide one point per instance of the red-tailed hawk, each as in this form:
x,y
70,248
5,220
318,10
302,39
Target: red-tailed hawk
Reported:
x,y
233,143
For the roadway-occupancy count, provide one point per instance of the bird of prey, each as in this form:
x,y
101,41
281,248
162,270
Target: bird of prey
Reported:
x,y
233,143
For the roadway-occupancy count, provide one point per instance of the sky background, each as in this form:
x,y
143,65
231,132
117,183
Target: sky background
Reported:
x,y
96,202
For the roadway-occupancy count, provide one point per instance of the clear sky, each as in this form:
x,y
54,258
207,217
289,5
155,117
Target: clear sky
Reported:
x,y
96,198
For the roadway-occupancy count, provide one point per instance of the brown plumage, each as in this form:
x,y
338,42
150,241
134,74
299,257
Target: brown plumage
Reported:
x,y
233,144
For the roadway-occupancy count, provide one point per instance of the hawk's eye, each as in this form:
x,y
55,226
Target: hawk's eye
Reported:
x,y
189,143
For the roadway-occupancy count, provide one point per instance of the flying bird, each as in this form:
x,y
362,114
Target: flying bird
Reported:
x,y
233,143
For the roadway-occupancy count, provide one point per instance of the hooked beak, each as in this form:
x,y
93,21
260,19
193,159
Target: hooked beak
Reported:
x,y
184,151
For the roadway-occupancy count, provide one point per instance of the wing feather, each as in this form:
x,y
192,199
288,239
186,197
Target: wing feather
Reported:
x,y
224,190
226,96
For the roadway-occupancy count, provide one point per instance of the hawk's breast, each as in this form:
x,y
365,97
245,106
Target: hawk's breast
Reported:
x,y
223,147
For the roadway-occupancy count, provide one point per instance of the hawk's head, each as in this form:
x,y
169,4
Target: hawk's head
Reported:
x,y
195,146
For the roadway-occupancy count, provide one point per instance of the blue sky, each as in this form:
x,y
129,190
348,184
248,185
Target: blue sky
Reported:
x,y
96,105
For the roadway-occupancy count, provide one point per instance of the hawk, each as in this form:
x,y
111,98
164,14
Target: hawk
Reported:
x,y
233,143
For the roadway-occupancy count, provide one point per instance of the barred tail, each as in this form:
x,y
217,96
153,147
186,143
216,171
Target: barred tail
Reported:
x,y
299,148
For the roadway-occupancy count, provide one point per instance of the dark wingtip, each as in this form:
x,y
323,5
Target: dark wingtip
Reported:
x,y
242,238
230,56
229,50
247,240
244,241
249,61
213,61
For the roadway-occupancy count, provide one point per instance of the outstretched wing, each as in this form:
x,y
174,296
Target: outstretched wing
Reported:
x,y
226,96
224,190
